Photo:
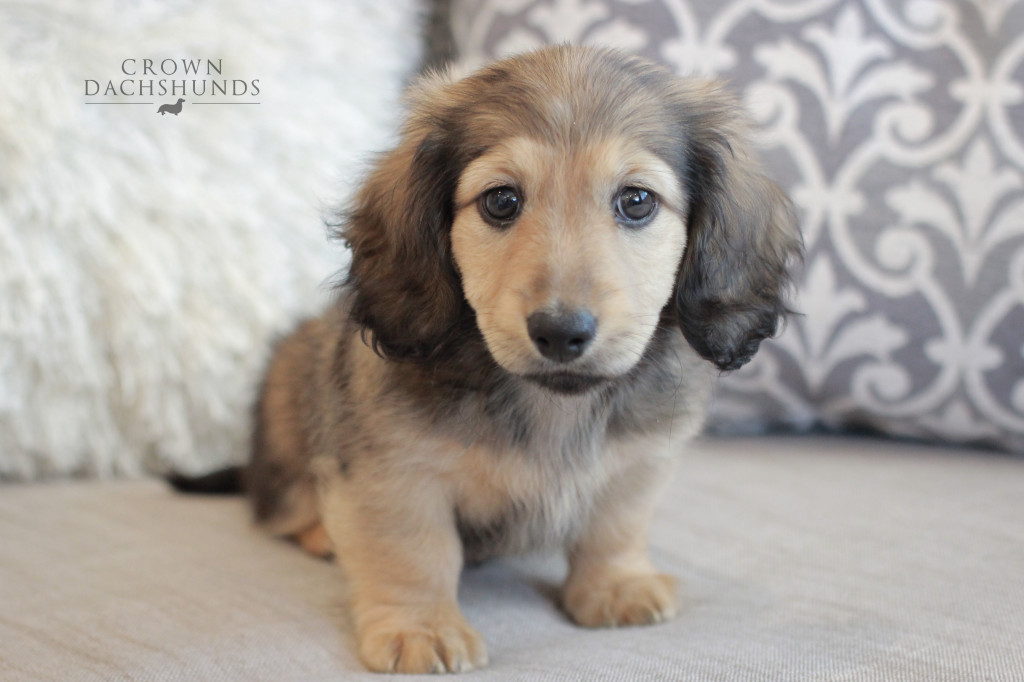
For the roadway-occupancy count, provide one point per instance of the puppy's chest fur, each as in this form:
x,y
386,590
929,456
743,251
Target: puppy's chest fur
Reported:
x,y
533,481
525,466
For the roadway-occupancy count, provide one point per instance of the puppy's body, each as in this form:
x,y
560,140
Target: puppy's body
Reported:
x,y
521,467
547,274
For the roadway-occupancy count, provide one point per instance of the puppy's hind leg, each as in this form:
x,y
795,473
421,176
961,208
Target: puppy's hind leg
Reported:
x,y
279,483
289,509
315,541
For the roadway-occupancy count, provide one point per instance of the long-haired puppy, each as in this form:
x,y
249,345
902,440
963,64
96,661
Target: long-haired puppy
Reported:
x,y
547,274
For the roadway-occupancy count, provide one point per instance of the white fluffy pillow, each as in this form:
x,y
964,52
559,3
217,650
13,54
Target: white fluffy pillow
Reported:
x,y
147,261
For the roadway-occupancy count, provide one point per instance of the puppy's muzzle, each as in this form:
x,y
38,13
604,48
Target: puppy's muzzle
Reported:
x,y
562,336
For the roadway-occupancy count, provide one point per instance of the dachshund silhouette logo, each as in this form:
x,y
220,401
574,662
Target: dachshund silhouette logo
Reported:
x,y
170,108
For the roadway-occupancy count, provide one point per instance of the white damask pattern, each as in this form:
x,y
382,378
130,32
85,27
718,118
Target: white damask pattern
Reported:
x,y
898,129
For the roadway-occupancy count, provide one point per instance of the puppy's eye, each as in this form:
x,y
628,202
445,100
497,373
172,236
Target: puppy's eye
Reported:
x,y
499,206
634,206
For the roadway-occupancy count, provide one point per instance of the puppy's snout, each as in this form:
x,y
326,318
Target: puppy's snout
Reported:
x,y
564,336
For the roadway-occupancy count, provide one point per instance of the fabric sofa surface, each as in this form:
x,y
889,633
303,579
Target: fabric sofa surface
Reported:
x,y
799,559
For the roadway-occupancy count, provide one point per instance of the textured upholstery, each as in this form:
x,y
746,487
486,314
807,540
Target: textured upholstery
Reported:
x,y
898,129
814,559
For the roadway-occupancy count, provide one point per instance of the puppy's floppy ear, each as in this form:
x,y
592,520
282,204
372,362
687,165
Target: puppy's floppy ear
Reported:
x,y
743,237
405,290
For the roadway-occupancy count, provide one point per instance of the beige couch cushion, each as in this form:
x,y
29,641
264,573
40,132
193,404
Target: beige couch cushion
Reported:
x,y
800,559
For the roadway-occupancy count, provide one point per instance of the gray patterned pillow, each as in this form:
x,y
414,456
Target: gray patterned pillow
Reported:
x,y
898,129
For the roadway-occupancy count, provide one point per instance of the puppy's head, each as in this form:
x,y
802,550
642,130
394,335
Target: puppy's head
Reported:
x,y
567,202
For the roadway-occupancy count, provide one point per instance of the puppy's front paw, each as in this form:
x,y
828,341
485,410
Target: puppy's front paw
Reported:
x,y
613,600
416,642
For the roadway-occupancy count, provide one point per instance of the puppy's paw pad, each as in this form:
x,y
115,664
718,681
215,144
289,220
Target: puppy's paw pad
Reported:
x,y
440,647
629,600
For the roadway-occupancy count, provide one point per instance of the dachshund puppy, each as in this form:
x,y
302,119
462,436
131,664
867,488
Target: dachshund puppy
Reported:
x,y
547,274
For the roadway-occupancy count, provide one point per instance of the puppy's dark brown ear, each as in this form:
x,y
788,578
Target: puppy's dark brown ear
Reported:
x,y
404,288
742,235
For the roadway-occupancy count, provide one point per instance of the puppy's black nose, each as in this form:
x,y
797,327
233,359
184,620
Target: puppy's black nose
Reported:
x,y
562,336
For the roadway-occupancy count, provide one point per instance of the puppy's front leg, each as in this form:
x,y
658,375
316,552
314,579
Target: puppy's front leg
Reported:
x,y
611,579
397,543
